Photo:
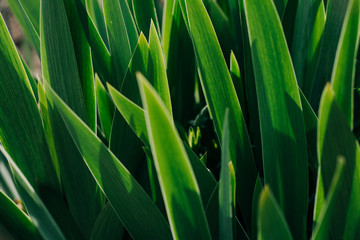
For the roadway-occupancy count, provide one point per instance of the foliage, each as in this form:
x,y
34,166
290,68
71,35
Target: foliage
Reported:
x,y
196,119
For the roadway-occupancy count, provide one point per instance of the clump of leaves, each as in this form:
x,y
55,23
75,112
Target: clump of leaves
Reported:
x,y
196,119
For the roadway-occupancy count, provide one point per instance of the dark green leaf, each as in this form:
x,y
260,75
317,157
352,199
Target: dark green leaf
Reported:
x,y
281,119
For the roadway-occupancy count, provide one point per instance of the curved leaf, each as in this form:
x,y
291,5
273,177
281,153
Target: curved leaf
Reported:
x,y
177,180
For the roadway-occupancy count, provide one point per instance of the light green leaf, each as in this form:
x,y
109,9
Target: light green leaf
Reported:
x,y
336,139
237,81
133,206
271,221
281,118
159,78
221,95
343,73
177,181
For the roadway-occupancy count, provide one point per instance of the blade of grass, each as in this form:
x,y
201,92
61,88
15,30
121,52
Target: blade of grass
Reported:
x,y
221,95
177,181
281,118
133,206
343,74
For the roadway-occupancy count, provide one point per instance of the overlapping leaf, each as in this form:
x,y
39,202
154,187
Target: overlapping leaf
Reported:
x,y
281,119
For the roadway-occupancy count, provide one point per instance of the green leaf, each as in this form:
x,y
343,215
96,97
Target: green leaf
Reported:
x,y
21,131
335,15
237,81
226,186
15,220
97,15
39,214
336,139
180,63
222,26
106,108
255,207
101,55
83,60
60,70
322,228
308,28
144,12
7,184
159,78
271,221
221,95
119,41
108,225
281,118
343,73
27,13
135,117
315,46
280,6
177,180
133,206
123,142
